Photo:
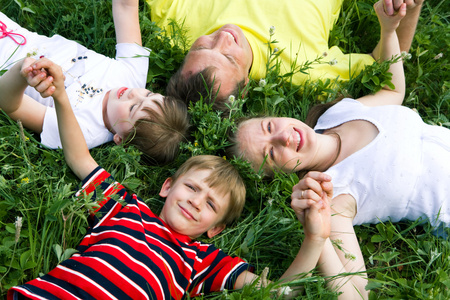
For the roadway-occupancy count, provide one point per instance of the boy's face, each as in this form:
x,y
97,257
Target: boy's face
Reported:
x,y
192,207
122,107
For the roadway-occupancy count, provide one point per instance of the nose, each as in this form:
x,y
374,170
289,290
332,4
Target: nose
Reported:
x,y
281,138
222,41
196,202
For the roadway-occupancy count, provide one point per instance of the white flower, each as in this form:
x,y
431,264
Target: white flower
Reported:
x,y
275,50
333,62
262,82
438,56
231,98
406,55
18,225
272,30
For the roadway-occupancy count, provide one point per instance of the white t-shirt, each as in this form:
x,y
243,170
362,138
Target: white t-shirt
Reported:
x,y
404,173
89,76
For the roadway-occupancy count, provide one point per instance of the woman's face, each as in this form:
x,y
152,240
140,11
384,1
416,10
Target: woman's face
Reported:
x,y
287,144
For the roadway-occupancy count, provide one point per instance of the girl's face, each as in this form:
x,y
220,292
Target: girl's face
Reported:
x,y
287,144
122,107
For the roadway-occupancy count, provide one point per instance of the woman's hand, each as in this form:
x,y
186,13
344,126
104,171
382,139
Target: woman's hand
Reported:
x,y
311,199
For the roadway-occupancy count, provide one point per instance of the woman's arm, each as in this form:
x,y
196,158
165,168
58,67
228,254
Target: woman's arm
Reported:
x,y
388,48
313,211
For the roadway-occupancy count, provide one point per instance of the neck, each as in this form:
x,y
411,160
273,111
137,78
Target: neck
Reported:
x,y
330,157
105,111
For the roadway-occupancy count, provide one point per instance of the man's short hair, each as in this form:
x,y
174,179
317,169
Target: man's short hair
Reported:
x,y
158,135
224,178
201,85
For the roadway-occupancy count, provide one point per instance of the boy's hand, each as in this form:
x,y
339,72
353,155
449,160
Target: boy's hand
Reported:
x,y
311,199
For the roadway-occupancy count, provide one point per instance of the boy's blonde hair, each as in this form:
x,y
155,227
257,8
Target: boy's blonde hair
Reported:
x,y
224,178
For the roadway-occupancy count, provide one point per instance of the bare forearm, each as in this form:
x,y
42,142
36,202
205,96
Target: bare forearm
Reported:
x,y
74,145
407,28
12,88
306,259
331,265
389,48
126,21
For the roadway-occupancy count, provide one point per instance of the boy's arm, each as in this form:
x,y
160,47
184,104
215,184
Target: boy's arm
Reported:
x,y
74,145
126,21
387,48
15,103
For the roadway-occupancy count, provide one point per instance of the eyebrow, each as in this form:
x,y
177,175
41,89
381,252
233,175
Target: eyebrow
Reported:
x,y
264,151
229,58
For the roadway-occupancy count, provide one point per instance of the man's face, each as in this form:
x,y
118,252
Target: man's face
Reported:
x,y
192,207
228,51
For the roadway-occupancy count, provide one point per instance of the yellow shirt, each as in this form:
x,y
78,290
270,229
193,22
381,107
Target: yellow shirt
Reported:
x,y
301,28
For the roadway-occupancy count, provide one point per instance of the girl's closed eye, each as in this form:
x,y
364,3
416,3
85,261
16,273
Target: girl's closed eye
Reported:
x,y
269,127
132,106
271,154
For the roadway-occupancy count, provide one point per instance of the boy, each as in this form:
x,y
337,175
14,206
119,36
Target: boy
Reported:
x,y
100,89
129,252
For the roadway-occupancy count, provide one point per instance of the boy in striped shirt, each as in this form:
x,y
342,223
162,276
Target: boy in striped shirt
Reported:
x,y
131,253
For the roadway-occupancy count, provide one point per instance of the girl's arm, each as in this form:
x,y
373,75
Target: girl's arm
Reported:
x,y
388,48
15,103
126,21
74,146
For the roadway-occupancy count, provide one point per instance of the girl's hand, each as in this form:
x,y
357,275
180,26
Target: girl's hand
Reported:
x,y
37,78
311,199
46,77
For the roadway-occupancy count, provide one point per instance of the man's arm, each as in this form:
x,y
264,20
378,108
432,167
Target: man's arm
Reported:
x,y
126,21
74,145
407,27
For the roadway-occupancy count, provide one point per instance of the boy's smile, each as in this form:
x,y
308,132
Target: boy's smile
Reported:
x,y
192,207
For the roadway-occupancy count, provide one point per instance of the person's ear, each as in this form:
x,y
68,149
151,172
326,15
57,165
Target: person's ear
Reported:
x,y
117,139
215,230
165,188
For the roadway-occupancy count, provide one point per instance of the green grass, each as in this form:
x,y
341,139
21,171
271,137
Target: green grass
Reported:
x,y
404,260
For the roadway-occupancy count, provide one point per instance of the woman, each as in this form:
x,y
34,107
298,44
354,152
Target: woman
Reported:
x,y
384,162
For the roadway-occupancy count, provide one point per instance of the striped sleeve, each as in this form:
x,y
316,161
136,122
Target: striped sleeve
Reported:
x,y
216,271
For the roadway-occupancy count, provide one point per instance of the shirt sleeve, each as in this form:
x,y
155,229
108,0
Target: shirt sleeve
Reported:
x,y
100,187
217,271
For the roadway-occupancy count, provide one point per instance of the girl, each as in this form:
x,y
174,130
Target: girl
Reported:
x,y
108,95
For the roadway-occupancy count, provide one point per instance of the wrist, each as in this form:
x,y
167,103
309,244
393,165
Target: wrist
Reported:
x,y
315,239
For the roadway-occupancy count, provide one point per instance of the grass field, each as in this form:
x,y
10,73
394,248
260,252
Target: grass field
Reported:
x,y
404,260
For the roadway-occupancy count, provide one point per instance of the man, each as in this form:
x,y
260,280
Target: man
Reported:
x,y
225,55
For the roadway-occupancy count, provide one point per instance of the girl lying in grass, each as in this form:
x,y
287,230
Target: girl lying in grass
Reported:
x,y
108,95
